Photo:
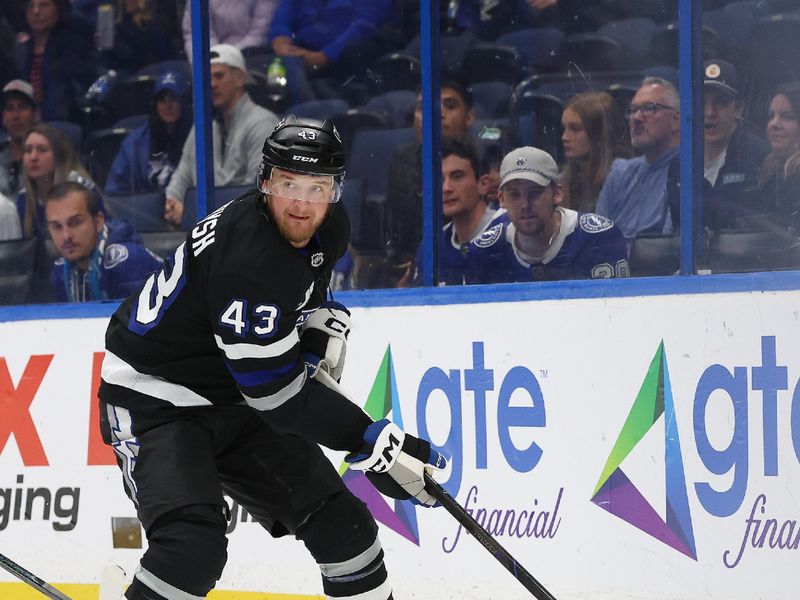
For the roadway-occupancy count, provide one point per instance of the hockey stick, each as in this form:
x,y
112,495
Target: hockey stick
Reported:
x,y
462,516
486,539
31,579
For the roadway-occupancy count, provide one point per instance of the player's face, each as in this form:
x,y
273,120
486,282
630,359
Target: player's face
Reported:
x,y
227,85
575,139
73,230
38,161
783,127
299,204
168,107
460,189
530,206
655,132
721,114
19,115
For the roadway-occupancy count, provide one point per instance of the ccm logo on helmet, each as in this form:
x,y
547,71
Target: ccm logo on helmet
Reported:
x,y
308,159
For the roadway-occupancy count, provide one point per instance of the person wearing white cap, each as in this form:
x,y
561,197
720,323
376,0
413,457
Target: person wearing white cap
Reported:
x,y
541,240
238,131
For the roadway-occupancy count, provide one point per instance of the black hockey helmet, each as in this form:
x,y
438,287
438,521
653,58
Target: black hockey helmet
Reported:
x,y
304,146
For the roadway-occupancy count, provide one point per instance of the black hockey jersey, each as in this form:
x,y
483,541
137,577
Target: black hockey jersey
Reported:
x,y
219,323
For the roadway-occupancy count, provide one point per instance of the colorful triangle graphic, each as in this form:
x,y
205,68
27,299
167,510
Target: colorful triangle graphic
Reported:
x,y
382,401
616,493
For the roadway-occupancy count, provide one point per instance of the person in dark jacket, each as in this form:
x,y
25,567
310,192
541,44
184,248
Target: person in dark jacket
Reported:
x,y
56,56
100,259
732,154
149,154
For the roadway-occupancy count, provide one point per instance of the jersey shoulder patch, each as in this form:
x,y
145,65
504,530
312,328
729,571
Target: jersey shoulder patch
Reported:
x,y
114,255
593,223
489,236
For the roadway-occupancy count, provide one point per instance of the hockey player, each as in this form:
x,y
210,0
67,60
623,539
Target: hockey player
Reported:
x,y
211,383
540,240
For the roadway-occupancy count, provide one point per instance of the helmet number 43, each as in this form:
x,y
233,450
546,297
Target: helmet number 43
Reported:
x,y
307,134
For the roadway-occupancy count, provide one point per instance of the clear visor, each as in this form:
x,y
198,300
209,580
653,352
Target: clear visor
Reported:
x,y
307,188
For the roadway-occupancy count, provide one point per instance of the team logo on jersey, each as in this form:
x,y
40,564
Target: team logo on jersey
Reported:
x,y
114,255
489,236
317,258
593,223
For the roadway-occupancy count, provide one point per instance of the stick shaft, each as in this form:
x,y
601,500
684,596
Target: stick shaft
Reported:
x,y
32,580
485,538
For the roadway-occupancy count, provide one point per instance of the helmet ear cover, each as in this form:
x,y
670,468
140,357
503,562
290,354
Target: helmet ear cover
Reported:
x,y
305,146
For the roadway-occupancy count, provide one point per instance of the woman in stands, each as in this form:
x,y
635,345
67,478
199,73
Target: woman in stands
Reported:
x,y
149,154
594,135
47,159
55,53
778,190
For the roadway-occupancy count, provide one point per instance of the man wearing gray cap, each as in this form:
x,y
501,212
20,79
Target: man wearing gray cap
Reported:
x,y
732,154
541,240
238,132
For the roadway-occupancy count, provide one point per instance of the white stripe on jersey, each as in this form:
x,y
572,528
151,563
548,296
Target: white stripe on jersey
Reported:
x,y
279,397
126,445
116,371
238,351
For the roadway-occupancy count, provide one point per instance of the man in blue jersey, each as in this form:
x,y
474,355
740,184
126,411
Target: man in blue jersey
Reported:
x,y
538,239
101,259
465,208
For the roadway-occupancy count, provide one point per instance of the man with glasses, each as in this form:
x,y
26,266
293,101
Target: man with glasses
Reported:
x,y
732,153
635,194
220,376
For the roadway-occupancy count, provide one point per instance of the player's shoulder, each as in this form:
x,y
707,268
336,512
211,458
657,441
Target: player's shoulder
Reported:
x,y
494,231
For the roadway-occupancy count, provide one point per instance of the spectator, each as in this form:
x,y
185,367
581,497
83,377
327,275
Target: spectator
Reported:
x,y
240,23
20,113
635,193
149,154
732,155
404,186
489,180
467,212
239,129
47,160
99,258
594,136
778,188
538,239
140,36
56,57
334,40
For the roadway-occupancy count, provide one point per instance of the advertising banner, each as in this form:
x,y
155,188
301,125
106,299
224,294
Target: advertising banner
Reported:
x,y
642,448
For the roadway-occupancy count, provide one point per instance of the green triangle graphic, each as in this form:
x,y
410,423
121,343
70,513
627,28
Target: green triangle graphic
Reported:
x,y
379,400
646,410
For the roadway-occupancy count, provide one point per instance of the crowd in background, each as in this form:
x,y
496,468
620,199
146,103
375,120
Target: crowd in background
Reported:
x,y
98,94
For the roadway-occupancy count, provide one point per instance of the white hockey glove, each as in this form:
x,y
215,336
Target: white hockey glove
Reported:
x,y
395,462
323,339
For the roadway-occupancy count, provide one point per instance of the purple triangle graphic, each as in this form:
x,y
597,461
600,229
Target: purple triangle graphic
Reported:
x,y
621,498
358,483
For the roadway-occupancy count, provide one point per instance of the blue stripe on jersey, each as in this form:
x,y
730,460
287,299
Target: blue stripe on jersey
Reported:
x,y
256,378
